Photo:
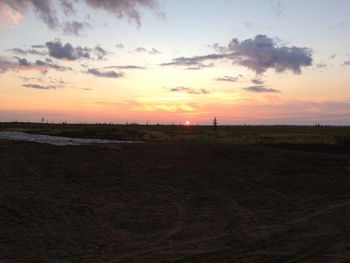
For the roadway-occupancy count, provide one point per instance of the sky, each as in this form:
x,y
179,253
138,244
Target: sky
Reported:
x,y
172,61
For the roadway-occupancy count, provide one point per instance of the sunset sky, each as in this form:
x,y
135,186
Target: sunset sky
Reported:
x,y
172,61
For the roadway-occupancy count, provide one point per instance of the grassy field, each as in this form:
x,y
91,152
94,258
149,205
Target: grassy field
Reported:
x,y
188,194
178,133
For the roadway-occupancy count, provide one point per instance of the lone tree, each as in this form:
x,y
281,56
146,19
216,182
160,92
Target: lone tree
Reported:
x,y
215,123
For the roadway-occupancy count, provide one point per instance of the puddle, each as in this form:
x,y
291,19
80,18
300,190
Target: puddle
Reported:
x,y
55,140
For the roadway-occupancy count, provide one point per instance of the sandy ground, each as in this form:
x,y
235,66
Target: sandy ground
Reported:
x,y
174,203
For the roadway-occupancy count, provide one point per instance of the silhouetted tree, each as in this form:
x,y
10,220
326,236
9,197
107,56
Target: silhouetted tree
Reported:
x,y
215,123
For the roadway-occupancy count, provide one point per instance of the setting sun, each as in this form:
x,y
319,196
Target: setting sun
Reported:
x,y
187,123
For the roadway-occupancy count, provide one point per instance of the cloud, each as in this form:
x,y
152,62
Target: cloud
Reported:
x,y
46,10
43,8
321,65
332,56
38,46
190,90
262,53
119,46
258,81
261,89
277,8
8,14
74,27
124,8
228,79
24,64
200,66
347,63
24,52
6,65
193,61
67,51
258,54
49,65
37,86
100,53
104,74
141,50
127,67
154,51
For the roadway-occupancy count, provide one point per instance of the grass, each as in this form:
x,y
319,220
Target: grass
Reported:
x,y
177,133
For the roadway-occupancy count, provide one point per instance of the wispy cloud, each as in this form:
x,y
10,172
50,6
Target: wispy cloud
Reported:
x,y
260,89
154,51
190,90
127,67
75,27
141,50
24,52
37,86
321,65
104,74
228,79
258,81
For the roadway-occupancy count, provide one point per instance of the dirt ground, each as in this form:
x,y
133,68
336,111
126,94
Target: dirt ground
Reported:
x,y
174,202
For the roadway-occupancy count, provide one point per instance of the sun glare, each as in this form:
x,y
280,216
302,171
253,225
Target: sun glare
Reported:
x,y
187,123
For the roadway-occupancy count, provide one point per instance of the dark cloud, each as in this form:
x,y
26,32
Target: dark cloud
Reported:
x,y
67,51
119,45
261,53
124,8
347,63
190,90
228,79
258,54
24,64
74,27
37,86
154,51
127,67
141,50
46,9
24,52
261,89
258,81
100,53
104,74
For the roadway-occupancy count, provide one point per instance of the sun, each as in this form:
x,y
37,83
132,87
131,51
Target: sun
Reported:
x,y
187,123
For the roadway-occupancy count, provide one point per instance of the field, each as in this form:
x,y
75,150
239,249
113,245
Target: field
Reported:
x,y
187,194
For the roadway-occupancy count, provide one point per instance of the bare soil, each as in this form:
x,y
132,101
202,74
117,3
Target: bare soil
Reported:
x,y
174,202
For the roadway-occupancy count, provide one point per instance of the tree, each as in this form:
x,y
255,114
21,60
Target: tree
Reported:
x,y
215,123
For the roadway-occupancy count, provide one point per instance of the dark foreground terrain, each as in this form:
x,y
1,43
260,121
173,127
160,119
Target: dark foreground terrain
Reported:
x,y
174,202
